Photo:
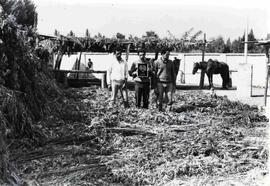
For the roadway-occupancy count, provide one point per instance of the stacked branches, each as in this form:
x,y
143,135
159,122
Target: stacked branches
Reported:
x,y
24,85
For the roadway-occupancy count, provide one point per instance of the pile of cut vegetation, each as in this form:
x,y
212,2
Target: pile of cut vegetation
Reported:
x,y
25,87
90,142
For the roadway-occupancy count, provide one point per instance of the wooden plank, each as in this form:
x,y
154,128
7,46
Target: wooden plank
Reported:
x,y
83,82
127,52
78,65
81,71
130,131
80,82
231,71
58,61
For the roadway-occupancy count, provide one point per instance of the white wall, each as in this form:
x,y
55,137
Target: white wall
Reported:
x,y
101,61
233,60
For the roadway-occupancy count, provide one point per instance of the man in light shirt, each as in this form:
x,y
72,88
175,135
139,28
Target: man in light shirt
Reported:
x,y
117,75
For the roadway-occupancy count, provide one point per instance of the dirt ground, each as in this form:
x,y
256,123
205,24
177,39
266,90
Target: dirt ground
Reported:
x,y
202,140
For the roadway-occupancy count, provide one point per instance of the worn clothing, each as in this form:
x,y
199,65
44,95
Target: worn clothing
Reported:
x,y
167,89
118,70
117,74
142,91
142,84
118,85
165,74
164,70
134,68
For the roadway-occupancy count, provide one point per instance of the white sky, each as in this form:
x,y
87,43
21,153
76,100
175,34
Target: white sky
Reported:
x,y
226,18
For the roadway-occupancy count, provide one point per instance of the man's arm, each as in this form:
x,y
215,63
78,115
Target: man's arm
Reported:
x,y
109,72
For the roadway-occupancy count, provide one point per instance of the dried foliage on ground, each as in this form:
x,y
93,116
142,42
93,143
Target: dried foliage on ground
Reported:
x,y
73,137
88,142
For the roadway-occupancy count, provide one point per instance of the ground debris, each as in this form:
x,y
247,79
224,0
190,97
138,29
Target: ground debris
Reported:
x,y
107,145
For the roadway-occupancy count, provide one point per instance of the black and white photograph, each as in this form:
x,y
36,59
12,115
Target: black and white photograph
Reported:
x,y
134,92
142,70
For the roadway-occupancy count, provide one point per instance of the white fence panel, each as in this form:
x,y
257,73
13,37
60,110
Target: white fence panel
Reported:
x,y
101,61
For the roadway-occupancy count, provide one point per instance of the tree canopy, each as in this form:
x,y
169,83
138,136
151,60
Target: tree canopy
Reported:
x,y
152,42
24,11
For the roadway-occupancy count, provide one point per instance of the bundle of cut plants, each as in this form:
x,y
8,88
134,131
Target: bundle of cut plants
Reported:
x,y
25,86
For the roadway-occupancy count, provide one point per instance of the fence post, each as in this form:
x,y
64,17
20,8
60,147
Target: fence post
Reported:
x,y
184,69
103,81
267,74
251,81
203,53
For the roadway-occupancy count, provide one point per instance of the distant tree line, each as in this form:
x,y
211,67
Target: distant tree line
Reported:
x,y
152,42
236,46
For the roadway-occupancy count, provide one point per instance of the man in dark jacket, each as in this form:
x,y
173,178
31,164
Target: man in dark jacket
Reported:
x,y
165,74
140,71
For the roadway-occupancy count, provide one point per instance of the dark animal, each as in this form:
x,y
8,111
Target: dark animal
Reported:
x,y
176,63
214,67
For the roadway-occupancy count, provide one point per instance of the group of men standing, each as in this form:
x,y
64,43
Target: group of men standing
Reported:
x,y
159,75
